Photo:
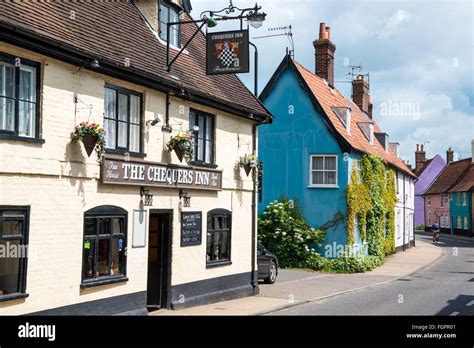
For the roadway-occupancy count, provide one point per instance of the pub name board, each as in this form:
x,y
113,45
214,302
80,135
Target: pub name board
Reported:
x,y
119,172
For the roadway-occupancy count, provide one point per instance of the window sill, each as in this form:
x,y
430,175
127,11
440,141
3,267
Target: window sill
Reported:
x,y
323,186
105,281
204,165
12,297
23,139
218,264
125,153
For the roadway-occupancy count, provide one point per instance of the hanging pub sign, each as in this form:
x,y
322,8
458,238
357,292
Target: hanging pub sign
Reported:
x,y
228,52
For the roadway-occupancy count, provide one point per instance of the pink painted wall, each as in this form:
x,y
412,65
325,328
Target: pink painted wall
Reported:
x,y
436,210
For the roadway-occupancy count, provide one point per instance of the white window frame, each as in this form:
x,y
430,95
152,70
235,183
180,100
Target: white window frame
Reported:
x,y
464,200
311,185
466,223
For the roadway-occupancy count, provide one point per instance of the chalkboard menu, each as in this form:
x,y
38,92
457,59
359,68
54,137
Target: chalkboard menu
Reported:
x,y
191,228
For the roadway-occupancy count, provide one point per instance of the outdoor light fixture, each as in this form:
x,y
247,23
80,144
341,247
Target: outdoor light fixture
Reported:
x,y
186,199
211,22
147,197
94,64
255,18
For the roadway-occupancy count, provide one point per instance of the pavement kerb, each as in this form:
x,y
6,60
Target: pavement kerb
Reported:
x,y
449,236
290,305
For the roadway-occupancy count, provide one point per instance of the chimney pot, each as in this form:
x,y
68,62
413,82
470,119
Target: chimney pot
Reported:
x,y
420,156
449,155
324,53
360,94
322,31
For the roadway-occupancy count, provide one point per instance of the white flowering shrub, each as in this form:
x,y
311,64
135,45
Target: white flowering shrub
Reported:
x,y
285,233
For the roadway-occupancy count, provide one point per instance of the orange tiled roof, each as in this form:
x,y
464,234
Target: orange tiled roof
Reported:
x,y
333,98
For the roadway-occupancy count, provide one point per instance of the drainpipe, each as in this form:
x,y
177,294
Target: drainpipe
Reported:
x,y
254,281
404,212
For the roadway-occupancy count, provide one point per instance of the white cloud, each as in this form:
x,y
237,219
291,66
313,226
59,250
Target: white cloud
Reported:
x,y
394,24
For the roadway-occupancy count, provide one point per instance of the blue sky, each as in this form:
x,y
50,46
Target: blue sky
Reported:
x,y
419,55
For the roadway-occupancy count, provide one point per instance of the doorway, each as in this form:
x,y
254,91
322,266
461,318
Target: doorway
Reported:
x,y
159,259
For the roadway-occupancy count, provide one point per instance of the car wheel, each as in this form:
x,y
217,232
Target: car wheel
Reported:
x,y
272,274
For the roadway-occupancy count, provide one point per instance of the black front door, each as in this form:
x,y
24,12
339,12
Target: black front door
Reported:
x,y
159,253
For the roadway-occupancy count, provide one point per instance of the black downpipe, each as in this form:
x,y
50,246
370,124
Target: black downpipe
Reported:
x,y
167,127
254,281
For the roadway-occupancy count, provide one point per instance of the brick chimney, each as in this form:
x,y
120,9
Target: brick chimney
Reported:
x,y
449,155
371,109
360,94
324,52
420,156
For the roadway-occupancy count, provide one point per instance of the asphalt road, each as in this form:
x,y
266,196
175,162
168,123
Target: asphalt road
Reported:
x,y
444,288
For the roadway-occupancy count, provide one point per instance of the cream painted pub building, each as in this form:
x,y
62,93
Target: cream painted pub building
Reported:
x,y
140,229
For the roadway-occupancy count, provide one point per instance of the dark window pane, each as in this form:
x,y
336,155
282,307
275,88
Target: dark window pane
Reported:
x,y
11,228
104,226
103,261
118,245
88,259
90,227
9,269
117,226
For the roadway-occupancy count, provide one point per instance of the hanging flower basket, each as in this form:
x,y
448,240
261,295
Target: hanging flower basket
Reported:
x,y
183,146
248,162
89,142
92,136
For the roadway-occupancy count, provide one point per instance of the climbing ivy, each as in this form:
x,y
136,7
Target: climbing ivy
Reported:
x,y
358,203
390,200
372,199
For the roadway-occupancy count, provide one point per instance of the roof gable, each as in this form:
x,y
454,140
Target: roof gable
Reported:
x,y
449,177
325,99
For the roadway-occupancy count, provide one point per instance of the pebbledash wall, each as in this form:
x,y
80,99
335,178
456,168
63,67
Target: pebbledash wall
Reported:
x,y
59,182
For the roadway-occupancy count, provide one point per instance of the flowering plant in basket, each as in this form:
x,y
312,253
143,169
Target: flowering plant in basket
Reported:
x,y
92,136
248,162
183,146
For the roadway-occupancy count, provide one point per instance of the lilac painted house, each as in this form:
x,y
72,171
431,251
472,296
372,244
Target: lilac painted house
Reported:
x,y
427,171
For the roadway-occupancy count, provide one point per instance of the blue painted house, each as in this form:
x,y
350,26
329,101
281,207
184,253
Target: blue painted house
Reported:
x,y
317,137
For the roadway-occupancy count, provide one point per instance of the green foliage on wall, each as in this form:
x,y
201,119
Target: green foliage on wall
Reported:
x,y
372,199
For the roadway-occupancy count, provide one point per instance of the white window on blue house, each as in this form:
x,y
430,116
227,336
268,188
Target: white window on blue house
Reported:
x,y
323,171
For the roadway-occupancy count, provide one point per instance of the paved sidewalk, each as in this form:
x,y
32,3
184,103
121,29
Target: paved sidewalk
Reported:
x,y
294,287
449,236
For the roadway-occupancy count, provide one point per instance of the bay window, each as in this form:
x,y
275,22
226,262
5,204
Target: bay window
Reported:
x,y
19,94
123,119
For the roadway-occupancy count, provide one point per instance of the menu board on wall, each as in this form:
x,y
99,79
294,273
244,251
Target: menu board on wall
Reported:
x,y
191,228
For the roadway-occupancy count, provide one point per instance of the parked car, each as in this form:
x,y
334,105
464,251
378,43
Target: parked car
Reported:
x,y
267,265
